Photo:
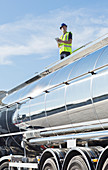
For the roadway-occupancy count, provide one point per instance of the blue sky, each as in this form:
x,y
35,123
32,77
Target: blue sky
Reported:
x,y
28,29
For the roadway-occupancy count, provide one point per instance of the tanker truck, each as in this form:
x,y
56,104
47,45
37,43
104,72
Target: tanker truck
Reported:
x,y
58,119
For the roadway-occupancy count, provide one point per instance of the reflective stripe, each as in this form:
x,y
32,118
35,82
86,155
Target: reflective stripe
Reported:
x,y
66,37
65,46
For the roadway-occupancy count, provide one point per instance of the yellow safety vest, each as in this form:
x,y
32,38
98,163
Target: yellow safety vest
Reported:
x,y
65,47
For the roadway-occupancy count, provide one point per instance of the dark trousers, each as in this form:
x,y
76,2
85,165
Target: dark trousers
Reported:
x,y
64,54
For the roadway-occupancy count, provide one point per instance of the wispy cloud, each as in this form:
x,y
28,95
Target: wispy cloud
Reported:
x,y
35,35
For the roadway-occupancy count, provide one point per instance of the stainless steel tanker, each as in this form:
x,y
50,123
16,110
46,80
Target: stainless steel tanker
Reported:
x,y
50,102
69,98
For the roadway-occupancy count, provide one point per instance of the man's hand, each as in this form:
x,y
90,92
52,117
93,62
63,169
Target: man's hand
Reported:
x,y
60,41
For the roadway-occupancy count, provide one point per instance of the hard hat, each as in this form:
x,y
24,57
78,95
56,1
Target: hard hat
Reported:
x,y
63,24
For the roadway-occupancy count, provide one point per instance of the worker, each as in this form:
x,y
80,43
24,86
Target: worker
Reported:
x,y
65,42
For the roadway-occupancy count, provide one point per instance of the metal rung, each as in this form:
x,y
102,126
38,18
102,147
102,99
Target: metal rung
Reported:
x,y
23,165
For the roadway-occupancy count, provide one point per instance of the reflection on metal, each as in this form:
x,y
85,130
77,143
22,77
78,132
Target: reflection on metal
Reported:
x,y
47,90
2,95
88,135
59,130
77,129
72,99
88,49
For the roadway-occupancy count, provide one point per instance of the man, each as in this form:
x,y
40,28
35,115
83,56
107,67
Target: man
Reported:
x,y
65,42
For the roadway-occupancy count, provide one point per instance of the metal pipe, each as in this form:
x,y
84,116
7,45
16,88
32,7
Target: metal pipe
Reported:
x,y
87,135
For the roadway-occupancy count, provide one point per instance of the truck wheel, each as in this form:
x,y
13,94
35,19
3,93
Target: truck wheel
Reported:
x,y
77,163
49,164
105,166
4,166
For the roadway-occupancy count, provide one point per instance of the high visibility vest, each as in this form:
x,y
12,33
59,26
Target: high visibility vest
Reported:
x,y
65,47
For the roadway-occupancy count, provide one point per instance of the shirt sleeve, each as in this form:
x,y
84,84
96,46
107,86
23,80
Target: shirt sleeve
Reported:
x,y
70,35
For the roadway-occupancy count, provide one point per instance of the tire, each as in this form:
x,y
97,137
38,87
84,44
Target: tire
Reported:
x,y
105,165
4,166
49,164
77,163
